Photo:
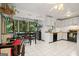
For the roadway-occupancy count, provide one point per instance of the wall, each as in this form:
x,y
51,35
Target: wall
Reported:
x,y
43,29
26,14
47,23
78,43
0,28
46,36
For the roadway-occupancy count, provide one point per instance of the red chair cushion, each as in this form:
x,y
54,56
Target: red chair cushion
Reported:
x,y
17,42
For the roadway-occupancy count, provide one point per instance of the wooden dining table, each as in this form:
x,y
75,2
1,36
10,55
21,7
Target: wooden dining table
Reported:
x,y
28,34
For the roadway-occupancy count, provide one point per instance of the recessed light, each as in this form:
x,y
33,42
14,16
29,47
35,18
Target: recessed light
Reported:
x,y
58,7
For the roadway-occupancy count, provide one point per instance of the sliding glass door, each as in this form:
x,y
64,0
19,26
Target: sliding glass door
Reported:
x,y
9,25
32,26
15,25
23,26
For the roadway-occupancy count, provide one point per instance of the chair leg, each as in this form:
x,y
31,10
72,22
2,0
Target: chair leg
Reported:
x,y
30,41
35,38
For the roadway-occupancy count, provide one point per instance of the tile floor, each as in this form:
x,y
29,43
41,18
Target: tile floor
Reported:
x,y
59,48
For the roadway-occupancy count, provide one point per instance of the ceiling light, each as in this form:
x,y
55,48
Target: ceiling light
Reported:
x,y
60,7
56,7
68,14
51,9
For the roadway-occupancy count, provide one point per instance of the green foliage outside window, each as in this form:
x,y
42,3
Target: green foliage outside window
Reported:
x,y
33,26
9,25
22,26
16,25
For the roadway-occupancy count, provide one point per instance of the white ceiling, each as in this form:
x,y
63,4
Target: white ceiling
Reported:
x,y
43,9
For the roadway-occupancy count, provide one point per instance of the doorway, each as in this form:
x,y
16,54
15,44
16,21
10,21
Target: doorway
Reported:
x,y
54,37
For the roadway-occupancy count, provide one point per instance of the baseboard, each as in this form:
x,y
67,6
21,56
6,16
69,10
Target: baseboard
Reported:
x,y
51,42
41,40
60,40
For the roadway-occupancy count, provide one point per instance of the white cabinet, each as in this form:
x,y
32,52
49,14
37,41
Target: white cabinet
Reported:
x,y
48,37
59,36
62,36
